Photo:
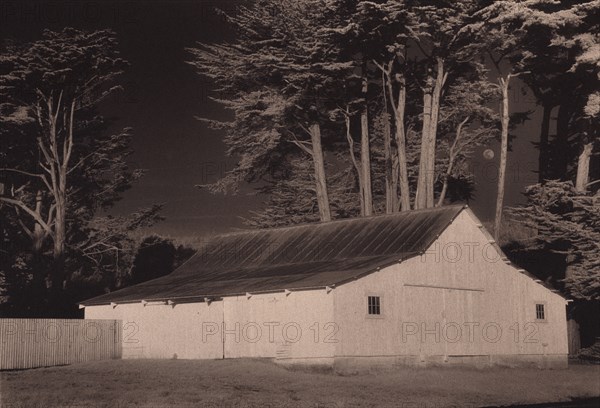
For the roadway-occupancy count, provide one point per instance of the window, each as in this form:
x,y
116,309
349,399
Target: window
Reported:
x,y
374,305
540,312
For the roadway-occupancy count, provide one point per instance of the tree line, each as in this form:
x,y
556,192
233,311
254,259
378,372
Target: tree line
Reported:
x,y
340,108
345,108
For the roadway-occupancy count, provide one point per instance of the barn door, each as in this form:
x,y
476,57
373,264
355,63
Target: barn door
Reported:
x,y
438,321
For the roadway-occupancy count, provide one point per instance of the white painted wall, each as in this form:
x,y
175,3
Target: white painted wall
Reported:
x,y
163,331
422,320
297,325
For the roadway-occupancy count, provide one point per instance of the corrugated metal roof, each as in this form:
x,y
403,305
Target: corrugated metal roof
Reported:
x,y
297,257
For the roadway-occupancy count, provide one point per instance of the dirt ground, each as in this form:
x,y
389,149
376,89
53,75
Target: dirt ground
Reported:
x,y
258,383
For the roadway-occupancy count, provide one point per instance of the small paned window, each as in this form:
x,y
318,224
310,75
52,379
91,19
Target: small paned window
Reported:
x,y
540,312
374,303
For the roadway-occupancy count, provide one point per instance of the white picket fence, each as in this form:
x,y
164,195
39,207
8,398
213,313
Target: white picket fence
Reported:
x,y
29,343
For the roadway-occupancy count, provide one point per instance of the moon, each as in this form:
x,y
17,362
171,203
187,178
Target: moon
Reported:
x,y
488,154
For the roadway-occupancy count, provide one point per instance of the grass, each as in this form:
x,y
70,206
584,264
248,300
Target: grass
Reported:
x,y
258,383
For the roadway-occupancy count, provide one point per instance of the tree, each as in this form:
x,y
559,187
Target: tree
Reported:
x,y
59,164
515,31
503,28
467,122
563,70
398,107
106,245
381,31
361,33
443,53
545,64
155,257
22,287
51,81
321,76
586,67
277,54
566,222
400,39
362,168
292,200
575,37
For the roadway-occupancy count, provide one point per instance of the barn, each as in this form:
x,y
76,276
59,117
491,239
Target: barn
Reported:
x,y
413,288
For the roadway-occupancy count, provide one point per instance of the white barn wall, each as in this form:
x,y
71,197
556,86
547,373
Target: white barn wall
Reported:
x,y
292,326
228,327
499,296
163,331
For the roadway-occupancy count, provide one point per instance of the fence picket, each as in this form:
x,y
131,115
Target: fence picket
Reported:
x,y
29,343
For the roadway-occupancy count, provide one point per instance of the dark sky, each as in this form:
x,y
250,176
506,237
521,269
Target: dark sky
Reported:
x,y
163,94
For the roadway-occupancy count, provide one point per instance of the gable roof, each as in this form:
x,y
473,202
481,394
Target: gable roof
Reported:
x,y
297,257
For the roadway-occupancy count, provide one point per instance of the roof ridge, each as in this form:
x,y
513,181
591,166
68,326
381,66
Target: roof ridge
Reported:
x,y
321,261
337,220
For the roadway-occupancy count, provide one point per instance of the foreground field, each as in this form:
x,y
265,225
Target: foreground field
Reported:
x,y
252,383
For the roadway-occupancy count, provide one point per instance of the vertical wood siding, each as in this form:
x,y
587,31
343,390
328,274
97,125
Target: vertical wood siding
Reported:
x,y
165,331
452,304
29,343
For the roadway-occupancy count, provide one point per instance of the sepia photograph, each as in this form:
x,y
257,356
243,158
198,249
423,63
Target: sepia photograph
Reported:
x,y
299,203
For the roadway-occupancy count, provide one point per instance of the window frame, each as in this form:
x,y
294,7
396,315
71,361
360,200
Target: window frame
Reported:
x,y
544,306
368,306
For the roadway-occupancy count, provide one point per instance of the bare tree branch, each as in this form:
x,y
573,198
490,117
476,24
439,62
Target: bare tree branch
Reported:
x,y
29,211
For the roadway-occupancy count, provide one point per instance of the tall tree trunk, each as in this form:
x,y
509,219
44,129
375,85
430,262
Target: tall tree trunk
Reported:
x,y
451,159
543,146
583,167
432,94
320,176
365,151
60,154
357,168
440,80
365,161
41,275
391,182
421,195
399,111
38,234
395,180
59,277
504,83
60,221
